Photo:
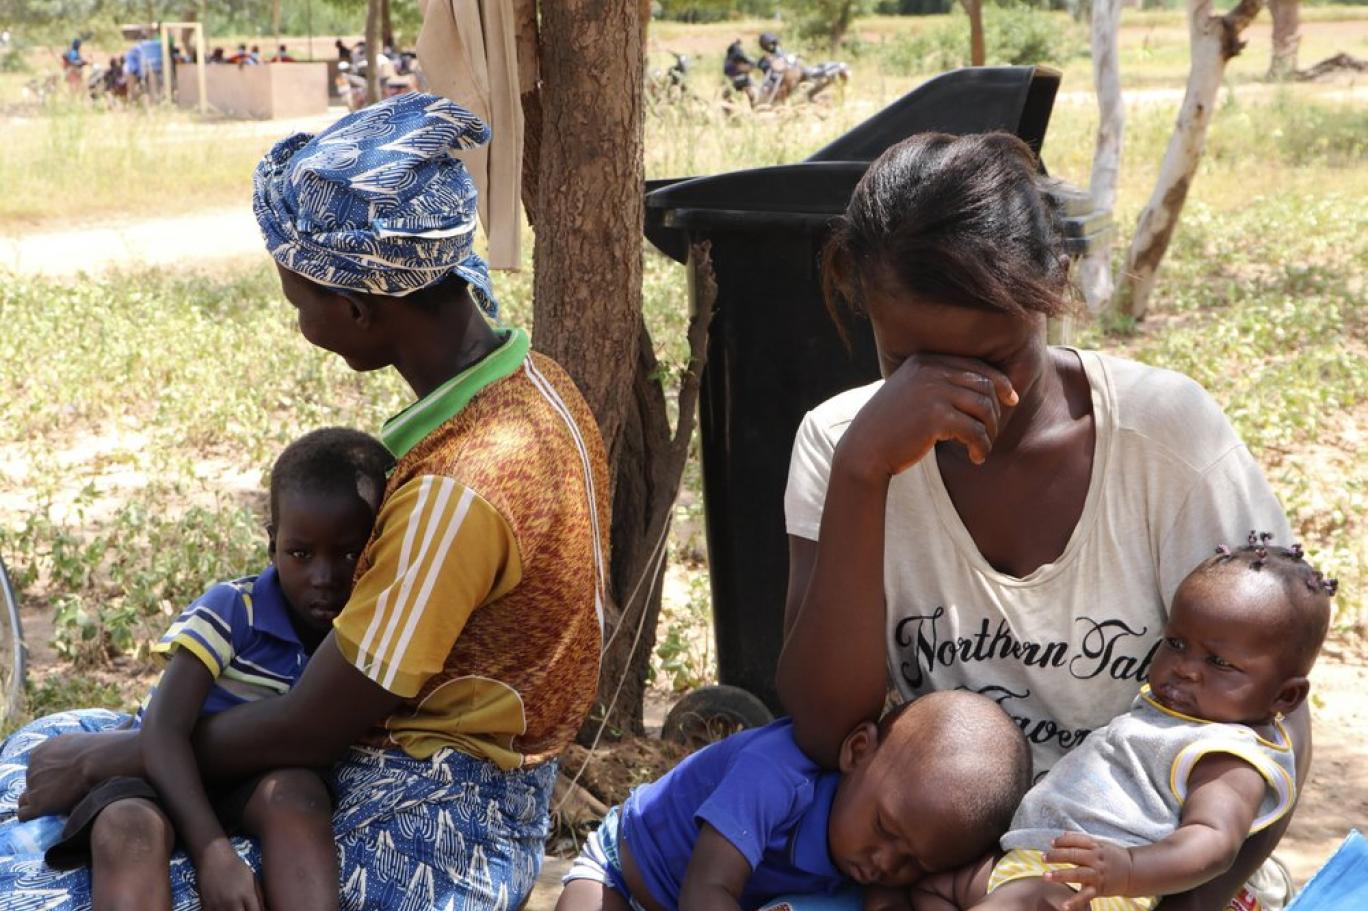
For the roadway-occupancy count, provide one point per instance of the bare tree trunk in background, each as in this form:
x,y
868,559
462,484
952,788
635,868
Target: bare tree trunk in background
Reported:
x,y
842,24
529,89
1286,38
275,24
978,51
1096,279
1214,40
386,25
187,35
587,306
372,51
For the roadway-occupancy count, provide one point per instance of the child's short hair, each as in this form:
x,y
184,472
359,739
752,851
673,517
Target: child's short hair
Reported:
x,y
1303,618
973,751
333,460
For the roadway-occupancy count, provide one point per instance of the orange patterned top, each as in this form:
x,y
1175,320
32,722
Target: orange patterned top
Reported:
x,y
480,595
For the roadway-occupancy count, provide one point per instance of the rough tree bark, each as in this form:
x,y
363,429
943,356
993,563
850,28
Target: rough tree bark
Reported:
x,y
978,50
1096,272
1286,38
1214,40
386,25
372,51
529,85
588,209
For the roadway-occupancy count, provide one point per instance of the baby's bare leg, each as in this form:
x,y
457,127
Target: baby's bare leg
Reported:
x,y
1027,895
130,850
292,816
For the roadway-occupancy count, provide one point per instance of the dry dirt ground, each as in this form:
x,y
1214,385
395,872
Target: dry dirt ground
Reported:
x,y
1333,802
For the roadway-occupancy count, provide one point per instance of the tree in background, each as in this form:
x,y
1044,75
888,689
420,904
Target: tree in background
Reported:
x,y
1286,38
978,50
830,20
372,51
1096,272
1214,41
585,199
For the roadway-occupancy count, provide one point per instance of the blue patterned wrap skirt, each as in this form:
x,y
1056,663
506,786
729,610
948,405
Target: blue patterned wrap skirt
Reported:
x,y
450,833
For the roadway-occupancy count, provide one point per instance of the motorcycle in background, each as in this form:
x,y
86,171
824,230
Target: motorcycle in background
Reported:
x,y
784,74
669,86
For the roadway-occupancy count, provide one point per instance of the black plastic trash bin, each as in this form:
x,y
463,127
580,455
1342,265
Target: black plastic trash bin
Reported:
x,y
773,351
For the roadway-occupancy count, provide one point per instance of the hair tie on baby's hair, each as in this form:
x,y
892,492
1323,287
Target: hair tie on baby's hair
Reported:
x,y
1222,550
1253,538
1320,583
1296,551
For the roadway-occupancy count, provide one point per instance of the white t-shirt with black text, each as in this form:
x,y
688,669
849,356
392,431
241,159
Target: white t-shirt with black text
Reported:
x,y
1067,647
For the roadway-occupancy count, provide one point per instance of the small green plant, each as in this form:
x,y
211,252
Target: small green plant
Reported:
x,y
683,655
62,692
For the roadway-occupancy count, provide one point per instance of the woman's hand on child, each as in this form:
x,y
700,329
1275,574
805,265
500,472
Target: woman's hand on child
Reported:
x,y
927,400
226,883
1100,868
59,770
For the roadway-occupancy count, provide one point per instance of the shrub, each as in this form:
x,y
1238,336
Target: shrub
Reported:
x,y
1014,36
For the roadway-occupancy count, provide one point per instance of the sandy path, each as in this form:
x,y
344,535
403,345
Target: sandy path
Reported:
x,y
225,234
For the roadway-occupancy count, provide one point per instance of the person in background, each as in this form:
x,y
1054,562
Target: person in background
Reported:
x,y
73,64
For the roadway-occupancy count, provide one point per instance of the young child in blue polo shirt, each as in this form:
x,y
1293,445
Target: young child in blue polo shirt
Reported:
x,y
750,818
241,641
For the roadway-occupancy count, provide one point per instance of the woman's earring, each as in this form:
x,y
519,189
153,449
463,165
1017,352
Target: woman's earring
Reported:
x,y
1278,717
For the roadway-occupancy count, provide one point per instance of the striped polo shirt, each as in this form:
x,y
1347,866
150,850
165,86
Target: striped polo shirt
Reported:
x,y
242,632
480,596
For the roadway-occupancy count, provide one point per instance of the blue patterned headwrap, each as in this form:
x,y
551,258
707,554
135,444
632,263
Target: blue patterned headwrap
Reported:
x,y
376,202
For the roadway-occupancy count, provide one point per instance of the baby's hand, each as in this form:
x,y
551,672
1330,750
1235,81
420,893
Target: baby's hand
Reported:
x,y
1100,868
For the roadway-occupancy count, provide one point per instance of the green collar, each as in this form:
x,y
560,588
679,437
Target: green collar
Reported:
x,y
407,428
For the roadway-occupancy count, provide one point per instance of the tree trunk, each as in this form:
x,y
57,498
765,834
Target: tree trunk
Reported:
x,y
386,25
1286,38
1214,40
841,24
372,51
978,52
527,42
275,23
587,304
1096,279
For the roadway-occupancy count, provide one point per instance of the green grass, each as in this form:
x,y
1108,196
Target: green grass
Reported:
x,y
70,161
75,163
142,410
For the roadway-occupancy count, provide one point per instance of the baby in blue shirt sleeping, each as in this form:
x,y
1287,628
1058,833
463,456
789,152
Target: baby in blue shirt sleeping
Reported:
x,y
750,818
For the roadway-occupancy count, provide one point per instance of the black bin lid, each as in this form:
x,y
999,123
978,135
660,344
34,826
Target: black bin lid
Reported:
x,y
806,195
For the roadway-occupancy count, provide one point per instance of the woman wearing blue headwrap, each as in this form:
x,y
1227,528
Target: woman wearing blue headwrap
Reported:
x,y
467,655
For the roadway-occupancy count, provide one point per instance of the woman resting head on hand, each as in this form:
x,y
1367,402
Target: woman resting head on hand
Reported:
x,y
995,514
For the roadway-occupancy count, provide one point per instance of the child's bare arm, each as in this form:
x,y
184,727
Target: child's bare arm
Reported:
x,y
1224,793
716,875
954,890
224,880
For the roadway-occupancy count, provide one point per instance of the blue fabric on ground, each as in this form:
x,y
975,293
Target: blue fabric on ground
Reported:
x,y
1342,883
449,833
851,898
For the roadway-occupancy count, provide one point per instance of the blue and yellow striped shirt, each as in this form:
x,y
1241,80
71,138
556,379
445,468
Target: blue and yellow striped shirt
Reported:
x,y
242,632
